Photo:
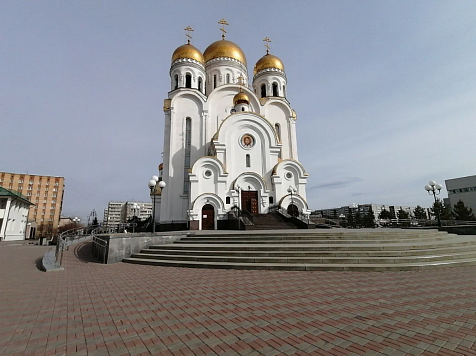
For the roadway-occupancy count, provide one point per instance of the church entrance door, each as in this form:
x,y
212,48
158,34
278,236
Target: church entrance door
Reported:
x,y
293,210
208,217
249,201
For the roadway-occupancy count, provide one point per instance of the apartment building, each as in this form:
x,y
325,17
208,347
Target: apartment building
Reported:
x,y
463,189
362,209
45,192
121,212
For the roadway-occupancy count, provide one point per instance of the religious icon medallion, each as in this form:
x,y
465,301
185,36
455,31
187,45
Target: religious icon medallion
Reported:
x,y
247,141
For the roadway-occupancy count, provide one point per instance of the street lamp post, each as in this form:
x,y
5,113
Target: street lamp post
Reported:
x,y
135,207
76,220
432,187
152,183
291,191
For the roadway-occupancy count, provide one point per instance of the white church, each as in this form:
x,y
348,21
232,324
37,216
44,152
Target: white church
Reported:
x,y
229,144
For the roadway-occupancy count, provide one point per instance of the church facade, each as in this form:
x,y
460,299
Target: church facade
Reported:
x,y
228,142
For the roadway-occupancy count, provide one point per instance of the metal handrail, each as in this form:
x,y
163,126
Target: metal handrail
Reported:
x,y
99,245
64,240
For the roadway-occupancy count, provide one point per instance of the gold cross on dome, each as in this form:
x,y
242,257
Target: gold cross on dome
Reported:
x,y
223,23
188,29
266,44
240,80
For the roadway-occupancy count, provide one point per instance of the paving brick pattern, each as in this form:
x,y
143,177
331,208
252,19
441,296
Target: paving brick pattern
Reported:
x,y
126,309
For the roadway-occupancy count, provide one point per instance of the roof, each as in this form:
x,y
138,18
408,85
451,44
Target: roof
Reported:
x,y
10,193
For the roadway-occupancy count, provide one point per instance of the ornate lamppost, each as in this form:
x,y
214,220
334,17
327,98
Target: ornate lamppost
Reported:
x,y
434,188
135,207
76,220
152,183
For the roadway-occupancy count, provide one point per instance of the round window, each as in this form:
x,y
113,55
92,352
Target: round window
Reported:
x,y
207,173
289,175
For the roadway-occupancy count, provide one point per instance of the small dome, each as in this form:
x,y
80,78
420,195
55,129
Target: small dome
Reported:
x,y
224,48
188,51
268,61
241,98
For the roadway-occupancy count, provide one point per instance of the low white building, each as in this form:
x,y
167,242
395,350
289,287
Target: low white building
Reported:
x,y
13,215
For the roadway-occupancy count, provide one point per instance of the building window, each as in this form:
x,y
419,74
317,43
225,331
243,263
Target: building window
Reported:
x,y
188,145
263,90
271,200
228,200
214,81
278,131
56,183
188,81
275,89
176,81
248,161
227,79
200,83
284,90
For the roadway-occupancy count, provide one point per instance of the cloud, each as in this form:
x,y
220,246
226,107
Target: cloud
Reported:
x,y
339,183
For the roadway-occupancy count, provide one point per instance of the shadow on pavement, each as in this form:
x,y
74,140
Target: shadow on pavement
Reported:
x,y
84,253
39,264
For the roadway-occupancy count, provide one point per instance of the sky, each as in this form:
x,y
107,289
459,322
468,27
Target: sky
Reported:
x,y
385,91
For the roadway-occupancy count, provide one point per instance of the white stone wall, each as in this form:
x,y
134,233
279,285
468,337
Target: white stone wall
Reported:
x,y
14,218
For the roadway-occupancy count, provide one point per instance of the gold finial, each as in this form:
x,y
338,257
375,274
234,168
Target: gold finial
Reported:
x,y
266,44
223,23
188,29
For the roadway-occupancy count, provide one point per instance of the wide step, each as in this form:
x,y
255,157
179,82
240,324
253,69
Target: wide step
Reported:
x,y
365,250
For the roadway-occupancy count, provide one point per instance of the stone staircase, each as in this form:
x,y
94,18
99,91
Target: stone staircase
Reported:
x,y
342,249
272,221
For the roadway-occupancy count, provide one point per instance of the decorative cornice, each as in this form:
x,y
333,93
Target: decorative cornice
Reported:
x,y
187,61
272,70
232,60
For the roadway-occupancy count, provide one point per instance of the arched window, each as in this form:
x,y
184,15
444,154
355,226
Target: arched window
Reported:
x,y
200,83
275,89
271,200
188,146
228,200
248,161
284,91
214,81
278,131
227,79
188,81
176,81
263,90
242,108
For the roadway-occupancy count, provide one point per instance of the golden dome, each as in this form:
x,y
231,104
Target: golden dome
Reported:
x,y
224,48
268,61
188,51
241,98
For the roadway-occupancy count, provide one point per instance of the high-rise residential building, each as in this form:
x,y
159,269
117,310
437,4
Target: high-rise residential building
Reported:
x,y
463,189
45,192
362,209
121,212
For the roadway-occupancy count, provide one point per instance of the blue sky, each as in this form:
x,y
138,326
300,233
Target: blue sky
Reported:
x,y
384,91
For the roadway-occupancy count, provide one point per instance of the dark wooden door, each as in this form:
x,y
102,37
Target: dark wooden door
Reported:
x,y
293,210
249,201
208,217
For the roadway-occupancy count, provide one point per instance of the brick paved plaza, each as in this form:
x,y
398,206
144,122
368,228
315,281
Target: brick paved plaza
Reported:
x,y
125,309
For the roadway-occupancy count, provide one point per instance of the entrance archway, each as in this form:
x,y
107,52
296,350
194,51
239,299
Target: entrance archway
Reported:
x,y
208,217
293,210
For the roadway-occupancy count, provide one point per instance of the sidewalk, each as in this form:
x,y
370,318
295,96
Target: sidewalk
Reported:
x,y
125,309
